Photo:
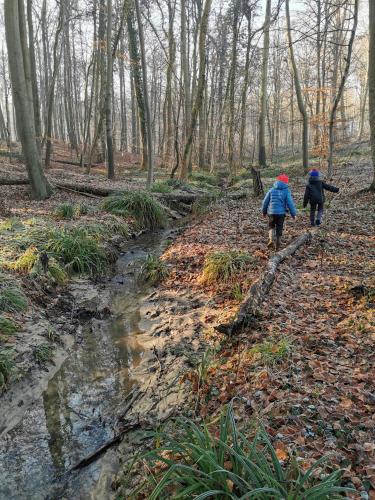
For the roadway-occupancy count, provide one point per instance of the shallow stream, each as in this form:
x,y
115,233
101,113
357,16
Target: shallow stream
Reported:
x,y
76,413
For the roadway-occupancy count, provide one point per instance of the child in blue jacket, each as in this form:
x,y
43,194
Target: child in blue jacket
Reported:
x,y
276,203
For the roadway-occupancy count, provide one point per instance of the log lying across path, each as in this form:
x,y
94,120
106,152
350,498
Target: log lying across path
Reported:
x,y
260,289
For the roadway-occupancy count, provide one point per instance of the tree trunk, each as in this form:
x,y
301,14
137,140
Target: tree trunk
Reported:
x,y
341,89
19,64
371,84
301,104
263,92
200,88
150,161
109,88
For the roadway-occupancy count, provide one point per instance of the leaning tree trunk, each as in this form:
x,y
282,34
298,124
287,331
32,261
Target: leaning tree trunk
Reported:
x,y
263,92
301,104
341,88
19,65
200,88
371,84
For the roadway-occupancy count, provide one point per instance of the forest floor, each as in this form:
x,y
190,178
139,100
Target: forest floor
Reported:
x,y
306,368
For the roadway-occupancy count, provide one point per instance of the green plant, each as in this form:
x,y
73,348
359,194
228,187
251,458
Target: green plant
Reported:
x,y
12,224
204,177
272,352
51,333
64,211
160,187
12,299
6,366
154,270
57,273
147,212
26,261
199,464
77,251
7,326
222,266
81,209
236,292
43,353
177,184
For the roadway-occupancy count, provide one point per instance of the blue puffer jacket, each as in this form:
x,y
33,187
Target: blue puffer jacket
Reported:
x,y
278,200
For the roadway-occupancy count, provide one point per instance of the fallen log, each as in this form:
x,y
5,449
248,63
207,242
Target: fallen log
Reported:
x,y
258,291
14,182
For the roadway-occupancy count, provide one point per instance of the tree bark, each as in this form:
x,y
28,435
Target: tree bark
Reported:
x,y
19,64
341,89
371,85
301,104
200,88
262,156
109,91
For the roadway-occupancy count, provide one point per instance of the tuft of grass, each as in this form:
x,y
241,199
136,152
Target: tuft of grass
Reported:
x,y
154,270
272,353
6,366
160,187
147,212
7,326
77,251
177,184
64,211
43,353
220,267
12,224
81,209
57,273
194,461
204,178
26,261
236,292
12,299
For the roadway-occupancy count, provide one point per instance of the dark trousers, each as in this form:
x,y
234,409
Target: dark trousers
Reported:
x,y
313,207
276,221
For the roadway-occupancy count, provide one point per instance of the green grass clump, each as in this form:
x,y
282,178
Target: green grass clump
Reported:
x,y
7,326
147,212
26,261
12,299
154,270
272,353
160,187
64,211
222,463
177,184
204,177
11,225
77,251
57,273
81,209
220,267
6,366
43,353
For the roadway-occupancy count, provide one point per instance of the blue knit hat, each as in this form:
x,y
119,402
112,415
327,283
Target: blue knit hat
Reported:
x,y
314,172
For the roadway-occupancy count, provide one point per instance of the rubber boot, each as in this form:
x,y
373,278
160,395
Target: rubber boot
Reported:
x,y
271,235
278,243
